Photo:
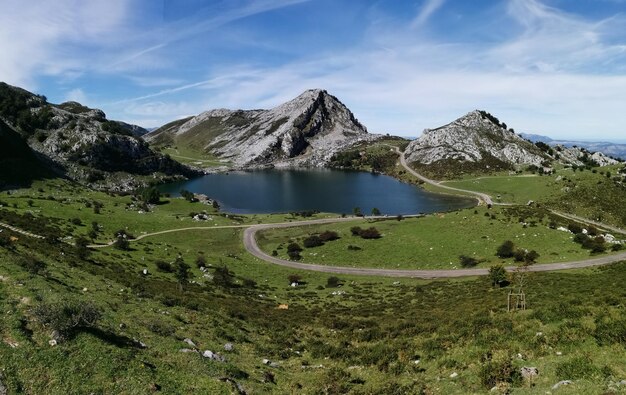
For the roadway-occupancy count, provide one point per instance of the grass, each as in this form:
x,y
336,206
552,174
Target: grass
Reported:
x,y
434,241
511,189
363,339
194,157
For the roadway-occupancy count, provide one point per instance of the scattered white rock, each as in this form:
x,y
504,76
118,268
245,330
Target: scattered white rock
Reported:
x,y
52,342
454,375
562,383
190,342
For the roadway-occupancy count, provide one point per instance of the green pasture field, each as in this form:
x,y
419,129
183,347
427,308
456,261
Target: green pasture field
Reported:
x,y
434,241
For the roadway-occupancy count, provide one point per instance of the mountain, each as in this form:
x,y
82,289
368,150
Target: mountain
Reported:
x,y
80,142
478,140
305,131
611,149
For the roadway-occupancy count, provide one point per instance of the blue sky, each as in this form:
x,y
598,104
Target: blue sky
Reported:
x,y
554,67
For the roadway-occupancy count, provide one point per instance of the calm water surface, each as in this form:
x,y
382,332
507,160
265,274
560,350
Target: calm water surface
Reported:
x,y
335,191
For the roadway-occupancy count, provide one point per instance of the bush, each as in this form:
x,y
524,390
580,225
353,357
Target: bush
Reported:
x,y
577,368
201,261
32,264
467,261
497,275
121,243
223,277
294,278
355,230
313,241
164,267
494,372
294,250
617,247
333,282
329,235
67,317
370,233
575,228
506,249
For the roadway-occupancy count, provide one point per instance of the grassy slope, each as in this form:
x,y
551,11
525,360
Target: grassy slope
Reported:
x,y
367,340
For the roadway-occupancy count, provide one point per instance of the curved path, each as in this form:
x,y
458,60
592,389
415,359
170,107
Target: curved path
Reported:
x,y
482,197
250,243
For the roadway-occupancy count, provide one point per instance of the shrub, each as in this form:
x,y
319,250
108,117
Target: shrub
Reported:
x,y
249,283
164,267
312,241
67,317
581,238
617,247
497,275
201,261
506,249
499,371
519,255
294,278
76,221
531,257
577,368
329,235
355,230
354,248
294,250
121,243
333,282
160,327
467,261
575,228
223,277
32,265
370,233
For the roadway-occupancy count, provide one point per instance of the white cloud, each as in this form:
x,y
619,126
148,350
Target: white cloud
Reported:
x,y
427,10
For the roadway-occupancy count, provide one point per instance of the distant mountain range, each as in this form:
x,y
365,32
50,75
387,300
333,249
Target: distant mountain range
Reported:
x,y
615,150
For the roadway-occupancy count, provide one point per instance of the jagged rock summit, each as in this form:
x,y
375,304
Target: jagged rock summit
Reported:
x,y
305,131
476,137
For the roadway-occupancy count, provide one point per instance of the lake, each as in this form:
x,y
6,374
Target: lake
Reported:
x,y
334,191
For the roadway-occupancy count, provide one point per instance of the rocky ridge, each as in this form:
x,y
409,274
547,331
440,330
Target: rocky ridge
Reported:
x,y
305,131
473,138
80,143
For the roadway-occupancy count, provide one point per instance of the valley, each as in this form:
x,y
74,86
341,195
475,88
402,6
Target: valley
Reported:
x,y
167,291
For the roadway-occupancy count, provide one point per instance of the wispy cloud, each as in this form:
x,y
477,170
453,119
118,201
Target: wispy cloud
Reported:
x,y
427,10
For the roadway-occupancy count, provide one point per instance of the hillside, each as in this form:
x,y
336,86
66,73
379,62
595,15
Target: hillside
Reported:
x,y
81,142
305,131
480,143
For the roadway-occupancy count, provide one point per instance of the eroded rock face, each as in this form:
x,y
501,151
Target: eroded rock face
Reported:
x,y
305,131
472,138
580,156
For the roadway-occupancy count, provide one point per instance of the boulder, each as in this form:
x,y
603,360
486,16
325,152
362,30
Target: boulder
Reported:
x,y
562,383
529,373
190,342
229,347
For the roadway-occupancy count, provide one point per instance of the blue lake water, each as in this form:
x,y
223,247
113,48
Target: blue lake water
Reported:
x,y
335,191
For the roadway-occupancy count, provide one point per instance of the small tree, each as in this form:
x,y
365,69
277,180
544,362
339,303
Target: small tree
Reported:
x,y
223,277
531,257
329,235
81,247
506,249
121,243
201,261
497,275
355,230
294,250
181,272
375,211
357,212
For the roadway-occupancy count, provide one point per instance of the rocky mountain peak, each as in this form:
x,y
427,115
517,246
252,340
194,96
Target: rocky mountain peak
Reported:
x,y
305,131
475,137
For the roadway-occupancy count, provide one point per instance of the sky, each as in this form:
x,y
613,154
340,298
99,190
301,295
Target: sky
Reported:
x,y
551,67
